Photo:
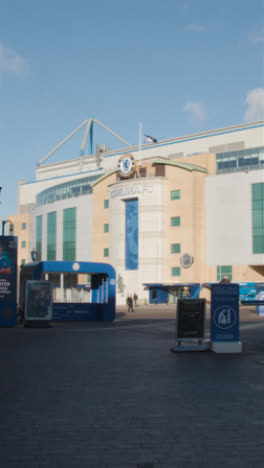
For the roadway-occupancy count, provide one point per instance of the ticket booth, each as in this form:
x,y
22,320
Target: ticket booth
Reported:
x,y
69,304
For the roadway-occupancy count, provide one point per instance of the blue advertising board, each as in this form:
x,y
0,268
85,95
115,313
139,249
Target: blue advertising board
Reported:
x,y
8,281
224,312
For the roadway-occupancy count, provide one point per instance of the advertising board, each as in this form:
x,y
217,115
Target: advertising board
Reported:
x,y
225,312
8,281
190,319
39,303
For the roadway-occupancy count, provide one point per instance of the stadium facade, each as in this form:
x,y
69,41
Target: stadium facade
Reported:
x,y
165,214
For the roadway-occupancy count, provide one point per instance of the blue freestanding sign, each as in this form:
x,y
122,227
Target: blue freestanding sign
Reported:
x,y
8,281
224,313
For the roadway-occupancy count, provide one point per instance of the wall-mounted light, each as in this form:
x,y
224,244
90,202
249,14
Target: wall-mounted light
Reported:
x,y
34,255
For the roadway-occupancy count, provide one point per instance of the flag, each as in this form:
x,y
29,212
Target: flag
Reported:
x,y
150,139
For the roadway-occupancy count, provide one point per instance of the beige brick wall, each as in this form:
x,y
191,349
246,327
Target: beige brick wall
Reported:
x,y
101,217
23,235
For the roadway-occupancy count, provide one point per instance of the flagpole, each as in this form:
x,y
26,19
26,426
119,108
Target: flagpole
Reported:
x,y
140,143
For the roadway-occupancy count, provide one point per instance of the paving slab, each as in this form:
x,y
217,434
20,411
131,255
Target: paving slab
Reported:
x,y
113,395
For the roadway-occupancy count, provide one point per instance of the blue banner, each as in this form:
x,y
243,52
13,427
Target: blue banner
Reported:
x,y
131,248
224,312
8,281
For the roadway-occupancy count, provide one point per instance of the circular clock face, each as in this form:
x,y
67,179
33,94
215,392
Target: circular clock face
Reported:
x,y
126,165
76,266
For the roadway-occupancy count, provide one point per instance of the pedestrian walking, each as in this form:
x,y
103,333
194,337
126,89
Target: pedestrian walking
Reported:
x,y
129,304
135,299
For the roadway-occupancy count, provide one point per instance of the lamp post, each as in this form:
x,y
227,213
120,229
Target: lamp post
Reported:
x,y
4,223
34,255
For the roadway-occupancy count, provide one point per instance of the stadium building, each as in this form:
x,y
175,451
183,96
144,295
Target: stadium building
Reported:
x,y
167,215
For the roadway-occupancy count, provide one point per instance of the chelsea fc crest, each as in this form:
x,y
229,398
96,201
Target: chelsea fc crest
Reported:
x,y
126,165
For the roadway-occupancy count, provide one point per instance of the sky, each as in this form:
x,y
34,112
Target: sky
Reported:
x,y
177,66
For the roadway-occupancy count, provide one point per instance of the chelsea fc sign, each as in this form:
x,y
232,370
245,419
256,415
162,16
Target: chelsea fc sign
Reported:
x,y
126,165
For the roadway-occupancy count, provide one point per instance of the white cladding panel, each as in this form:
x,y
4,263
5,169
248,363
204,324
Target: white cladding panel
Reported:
x,y
229,219
84,226
151,194
251,137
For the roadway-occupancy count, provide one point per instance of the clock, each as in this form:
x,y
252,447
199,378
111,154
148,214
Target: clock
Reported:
x,y
126,165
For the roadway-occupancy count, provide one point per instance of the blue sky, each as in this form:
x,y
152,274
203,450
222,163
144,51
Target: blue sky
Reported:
x,y
177,66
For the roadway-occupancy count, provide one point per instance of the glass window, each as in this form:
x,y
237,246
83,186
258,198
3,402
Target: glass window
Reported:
x,y
224,271
175,248
74,188
11,229
176,271
23,244
69,234
258,217
175,194
257,192
39,237
24,226
258,244
175,221
106,203
23,261
106,252
51,235
106,227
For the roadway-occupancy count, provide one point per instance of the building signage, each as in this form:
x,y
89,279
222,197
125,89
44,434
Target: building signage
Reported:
x,y
8,281
133,190
224,312
126,165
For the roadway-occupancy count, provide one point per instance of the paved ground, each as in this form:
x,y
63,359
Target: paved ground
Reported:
x,y
113,395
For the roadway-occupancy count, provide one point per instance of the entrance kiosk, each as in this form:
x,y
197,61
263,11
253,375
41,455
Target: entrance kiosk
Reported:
x,y
103,289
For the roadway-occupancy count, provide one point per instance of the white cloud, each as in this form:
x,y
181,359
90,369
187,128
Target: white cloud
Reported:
x,y
256,37
255,105
196,27
195,109
11,62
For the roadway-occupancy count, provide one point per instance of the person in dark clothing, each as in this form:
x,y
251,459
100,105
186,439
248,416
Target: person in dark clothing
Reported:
x,y
135,299
130,304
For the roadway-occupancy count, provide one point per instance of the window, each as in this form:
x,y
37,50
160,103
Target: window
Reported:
x,y
175,221
51,235
176,271
39,237
24,226
23,261
106,227
89,279
224,271
175,194
106,203
11,229
23,244
160,170
106,252
143,172
258,217
175,248
69,233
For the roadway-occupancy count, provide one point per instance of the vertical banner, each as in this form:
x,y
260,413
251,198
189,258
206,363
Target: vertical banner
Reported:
x,y
8,281
225,312
131,247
